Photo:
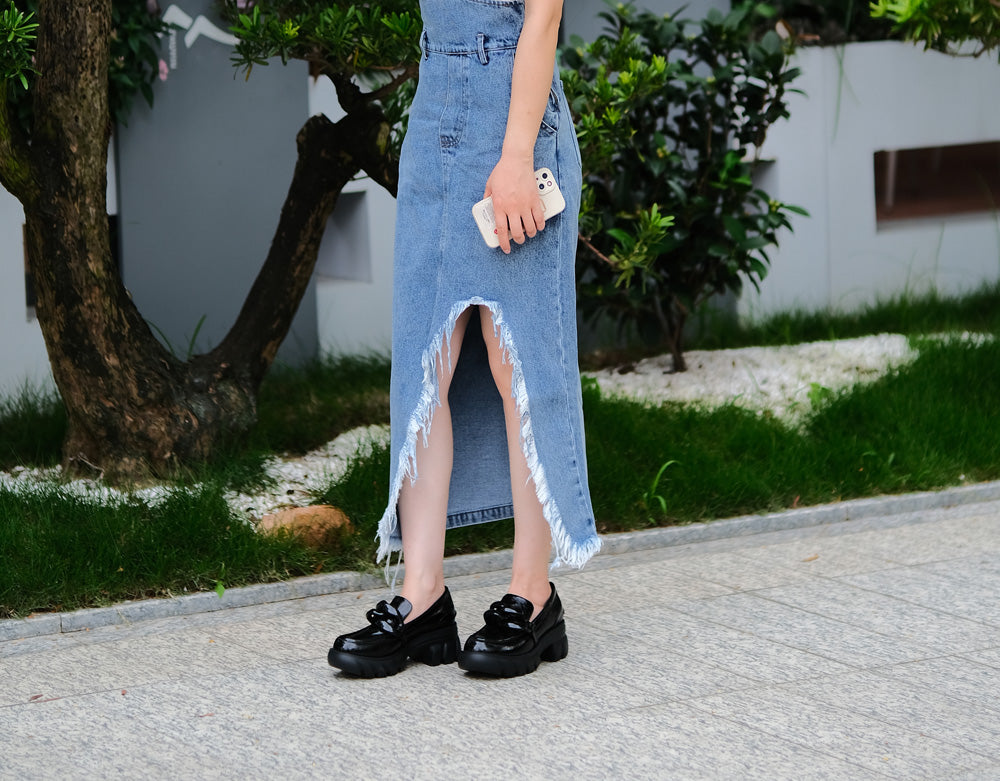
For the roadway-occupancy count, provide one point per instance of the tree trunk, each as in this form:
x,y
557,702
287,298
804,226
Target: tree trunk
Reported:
x,y
134,410
677,352
671,319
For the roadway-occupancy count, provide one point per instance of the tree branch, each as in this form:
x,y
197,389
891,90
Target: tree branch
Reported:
x,y
385,90
349,95
328,159
377,159
587,243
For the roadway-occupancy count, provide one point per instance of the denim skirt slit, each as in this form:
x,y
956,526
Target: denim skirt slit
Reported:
x,y
442,267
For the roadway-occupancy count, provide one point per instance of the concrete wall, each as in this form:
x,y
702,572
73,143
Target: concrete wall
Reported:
x,y
22,352
354,268
580,17
202,178
891,96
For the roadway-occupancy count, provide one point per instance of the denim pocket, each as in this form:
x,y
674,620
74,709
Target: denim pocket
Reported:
x,y
550,119
455,107
496,3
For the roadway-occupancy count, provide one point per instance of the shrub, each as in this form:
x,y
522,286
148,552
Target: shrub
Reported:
x,y
945,25
670,113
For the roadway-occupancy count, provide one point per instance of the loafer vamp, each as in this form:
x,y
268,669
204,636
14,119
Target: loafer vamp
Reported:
x,y
385,633
500,643
371,641
508,627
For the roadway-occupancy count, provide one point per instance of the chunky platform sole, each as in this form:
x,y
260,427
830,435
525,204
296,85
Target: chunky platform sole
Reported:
x,y
433,648
551,647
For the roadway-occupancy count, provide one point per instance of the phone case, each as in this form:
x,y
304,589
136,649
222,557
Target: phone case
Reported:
x,y
552,203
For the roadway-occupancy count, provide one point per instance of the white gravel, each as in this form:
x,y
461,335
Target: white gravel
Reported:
x,y
775,379
294,481
299,480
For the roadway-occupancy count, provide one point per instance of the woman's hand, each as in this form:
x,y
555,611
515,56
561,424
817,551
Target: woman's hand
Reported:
x,y
517,208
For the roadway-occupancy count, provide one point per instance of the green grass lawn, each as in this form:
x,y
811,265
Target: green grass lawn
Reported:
x,y
61,551
930,424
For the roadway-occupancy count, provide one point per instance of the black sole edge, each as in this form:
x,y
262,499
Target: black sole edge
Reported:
x,y
552,648
362,667
437,650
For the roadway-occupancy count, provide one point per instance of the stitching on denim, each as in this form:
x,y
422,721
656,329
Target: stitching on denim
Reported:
x,y
552,116
498,3
459,109
463,50
485,515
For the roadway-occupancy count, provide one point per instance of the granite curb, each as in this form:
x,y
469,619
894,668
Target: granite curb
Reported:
x,y
476,563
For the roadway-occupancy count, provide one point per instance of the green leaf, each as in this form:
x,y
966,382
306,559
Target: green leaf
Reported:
x,y
755,242
734,227
771,43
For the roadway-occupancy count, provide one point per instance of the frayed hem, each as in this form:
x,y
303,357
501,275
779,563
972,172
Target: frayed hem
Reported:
x,y
566,552
577,555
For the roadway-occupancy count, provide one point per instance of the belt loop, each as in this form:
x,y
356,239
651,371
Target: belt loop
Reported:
x,y
481,41
424,45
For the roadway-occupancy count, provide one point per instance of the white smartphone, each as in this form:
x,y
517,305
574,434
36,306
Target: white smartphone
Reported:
x,y
552,203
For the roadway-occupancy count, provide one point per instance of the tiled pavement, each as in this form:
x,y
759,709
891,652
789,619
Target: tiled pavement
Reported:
x,y
865,649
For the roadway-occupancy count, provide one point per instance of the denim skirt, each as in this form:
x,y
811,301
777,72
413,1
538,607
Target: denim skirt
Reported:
x,y
442,266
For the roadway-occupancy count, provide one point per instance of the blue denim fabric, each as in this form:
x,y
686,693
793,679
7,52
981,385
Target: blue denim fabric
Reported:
x,y
442,266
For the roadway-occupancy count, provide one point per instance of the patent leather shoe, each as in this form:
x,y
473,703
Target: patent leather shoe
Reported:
x,y
511,643
382,647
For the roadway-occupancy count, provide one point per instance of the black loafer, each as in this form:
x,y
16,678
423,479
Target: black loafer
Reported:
x,y
382,647
511,643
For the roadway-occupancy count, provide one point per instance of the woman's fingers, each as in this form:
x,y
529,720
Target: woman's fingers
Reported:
x,y
518,229
517,226
538,215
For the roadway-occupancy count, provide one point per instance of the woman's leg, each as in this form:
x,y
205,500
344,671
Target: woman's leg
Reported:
x,y
532,540
423,503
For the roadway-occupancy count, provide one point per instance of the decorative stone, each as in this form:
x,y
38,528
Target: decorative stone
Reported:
x,y
312,524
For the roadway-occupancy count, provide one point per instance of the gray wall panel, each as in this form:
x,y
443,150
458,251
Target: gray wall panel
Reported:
x,y
202,178
580,16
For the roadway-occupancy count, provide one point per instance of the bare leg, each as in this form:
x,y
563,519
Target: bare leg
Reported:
x,y
532,540
423,503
